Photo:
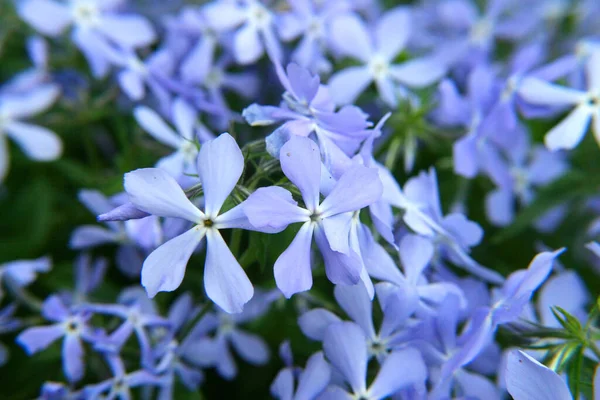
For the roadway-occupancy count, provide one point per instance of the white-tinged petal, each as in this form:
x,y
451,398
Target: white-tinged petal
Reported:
x,y
536,91
571,130
152,123
37,142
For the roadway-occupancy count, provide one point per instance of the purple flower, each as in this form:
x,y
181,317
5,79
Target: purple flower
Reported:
x,y
311,381
395,327
135,320
37,142
345,347
121,383
307,109
96,24
327,220
254,25
310,21
216,351
526,168
570,131
72,326
220,165
377,52
8,323
527,379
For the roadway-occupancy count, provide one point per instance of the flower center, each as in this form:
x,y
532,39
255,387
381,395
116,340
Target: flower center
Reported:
x,y
379,67
315,28
214,79
208,223
86,13
481,31
259,16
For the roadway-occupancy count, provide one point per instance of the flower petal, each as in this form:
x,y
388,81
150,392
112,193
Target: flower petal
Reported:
x,y
273,207
418,72
73,358
301,163
152,123
37,142
392,32
247,45
570,131
350,37
282,387
314,378
39,337
315,322
527,379
220,165
400,369
47,16
415,254
164,268
345,346
536,91
129,31
154,191
225,281
250,347
340,268
358,187
346,85
356,302
292,269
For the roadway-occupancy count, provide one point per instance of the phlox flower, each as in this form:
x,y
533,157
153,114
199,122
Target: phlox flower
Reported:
x,y
254,26
95,24
345,347
72,326
220,165
328,220
22,273
586,106
376,52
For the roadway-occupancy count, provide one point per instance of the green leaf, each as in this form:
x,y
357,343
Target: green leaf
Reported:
x,y
569,322
574,374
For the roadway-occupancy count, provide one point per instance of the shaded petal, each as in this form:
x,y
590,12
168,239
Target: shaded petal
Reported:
x,y
132,84
315,322
303,84
184,118
39,337
282,387
225,281
250,347
570,131
350,36
236,218
415,254
566,290
345,346
37,142
340,268
314,378
31,103
337,231
247,45
335,393
127,30
346,85
164,268
152,123
90,236
536,91
527,379
220,165
292,269
47,16
73,358
418,72
356,302
392,32
499,206
273,207
54,309
358,187
400,369
156,192
24,272
199,60
301,163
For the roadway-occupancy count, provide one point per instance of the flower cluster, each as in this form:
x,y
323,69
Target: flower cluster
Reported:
x,y
429,151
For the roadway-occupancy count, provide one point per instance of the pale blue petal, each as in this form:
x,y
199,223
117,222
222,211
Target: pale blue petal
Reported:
x,y
350,37
356,302
154,191
570,131
164,268
129,31
400,369
527,379
250,347
346,85
47,16
292,269
314,378
345,346
225,281
537,91
315,322
220,165
419,72
301,163
392,32
37,142
358,187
